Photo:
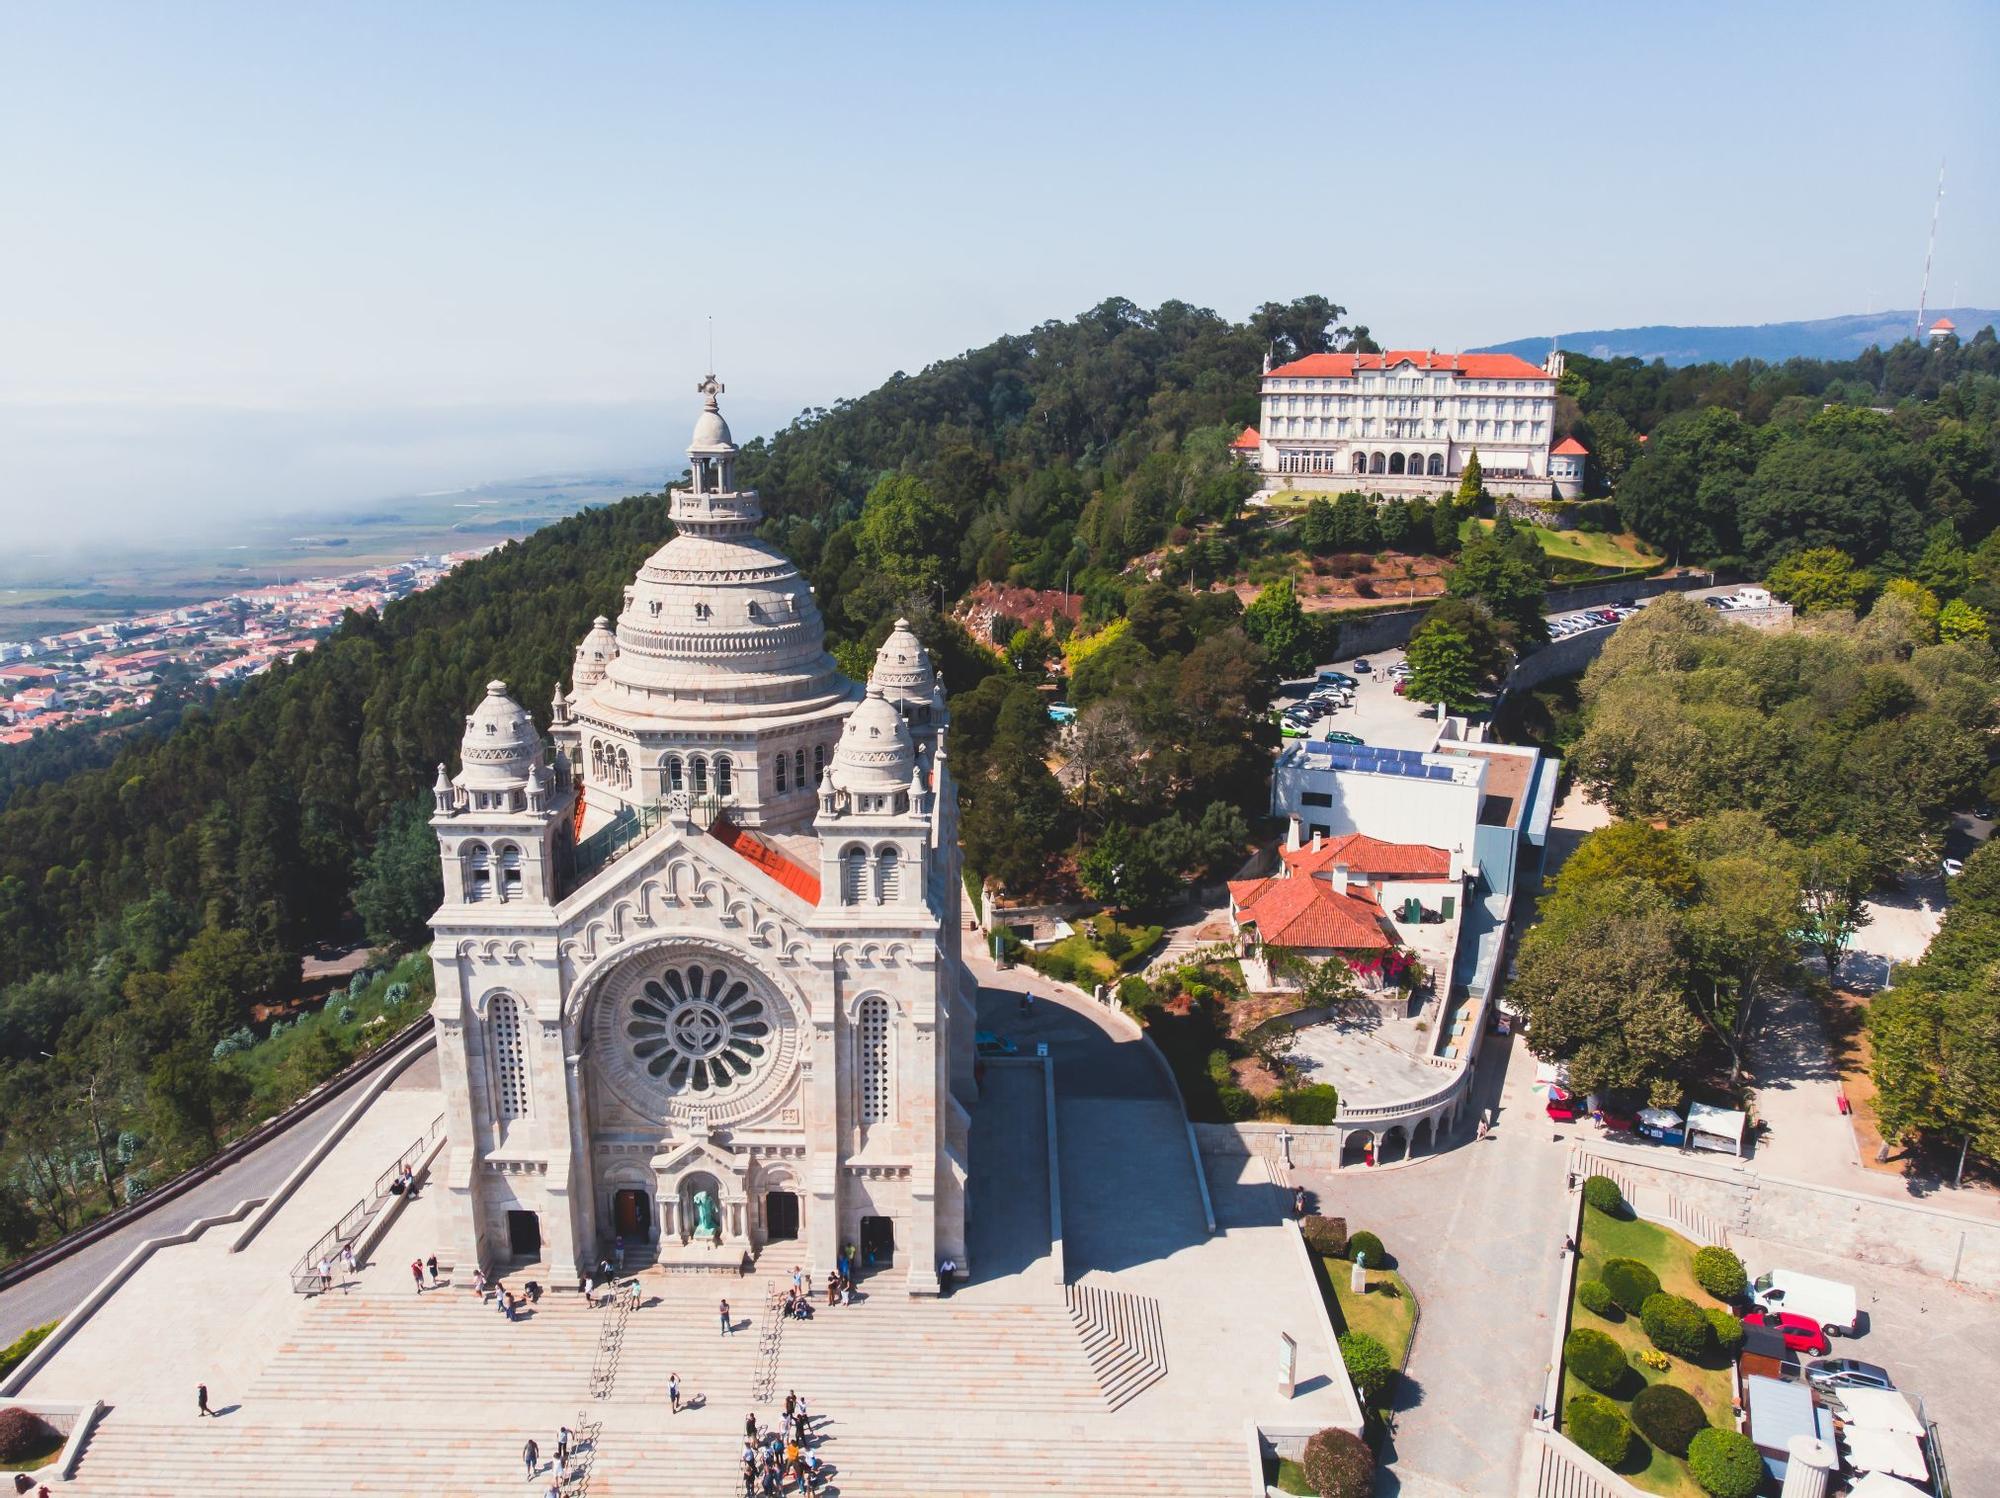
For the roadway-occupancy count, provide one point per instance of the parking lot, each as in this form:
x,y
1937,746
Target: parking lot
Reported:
x,y
1378,716
1940,1345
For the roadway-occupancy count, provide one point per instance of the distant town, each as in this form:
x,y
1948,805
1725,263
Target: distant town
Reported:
x,y
117,665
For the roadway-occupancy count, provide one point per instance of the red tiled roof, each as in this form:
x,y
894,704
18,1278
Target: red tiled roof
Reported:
x,y
1944,325
745,844
1478,366
1371,857
1307,912
1569,447
1251,438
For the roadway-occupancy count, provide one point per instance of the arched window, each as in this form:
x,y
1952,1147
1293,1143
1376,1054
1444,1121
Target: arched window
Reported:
x,y
1395,462
1376,463
799,769
1437,465
781,772
596,759
672,773
698,772
510,1058
624,768
1361,462
819,763
510,872
724,779
853,875
872,1022
888,875
478,871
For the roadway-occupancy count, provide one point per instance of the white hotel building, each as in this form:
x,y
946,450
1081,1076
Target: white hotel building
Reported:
x,y
1405,422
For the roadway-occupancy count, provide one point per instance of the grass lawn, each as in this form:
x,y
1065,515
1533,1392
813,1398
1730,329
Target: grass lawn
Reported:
x,y
1292,1479
41,1456
1092,963
1388,1312
1670,1256
1592,548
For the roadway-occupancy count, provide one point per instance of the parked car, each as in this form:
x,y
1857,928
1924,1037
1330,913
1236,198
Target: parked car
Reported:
x,y
1801,1333
1334,736
1831,1303
1335,679
1402,682
986,1043
1605,616
1847,1373
1361,667
1953,867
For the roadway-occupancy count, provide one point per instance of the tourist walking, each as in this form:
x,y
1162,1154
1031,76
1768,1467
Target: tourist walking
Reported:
x,y
750,1427
531,1456
674,1392
347,1258
479,1283
417,1274
325,1274
201,1401
724,1312
431,1265
562,1447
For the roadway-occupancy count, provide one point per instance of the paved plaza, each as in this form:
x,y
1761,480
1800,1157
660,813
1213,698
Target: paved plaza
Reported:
x,y
1000,1389
1368,1069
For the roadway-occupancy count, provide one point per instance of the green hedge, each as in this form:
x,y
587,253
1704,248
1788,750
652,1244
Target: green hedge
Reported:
x,y
1676,1324
1728,1331
1668,1417
1594,1358
1365,1242
1596,1297
1368,1365
1602,1193
1725,1463
1315,1103
1629,1282
1599,1427
16,1352
1720,1273
1339,1464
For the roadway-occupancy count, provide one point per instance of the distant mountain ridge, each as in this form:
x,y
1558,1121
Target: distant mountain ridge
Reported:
x,y
1824,338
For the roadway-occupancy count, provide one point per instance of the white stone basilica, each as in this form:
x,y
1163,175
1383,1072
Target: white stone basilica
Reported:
x,y
699,985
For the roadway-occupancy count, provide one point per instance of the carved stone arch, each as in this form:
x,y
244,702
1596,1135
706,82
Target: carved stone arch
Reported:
x,y
899,954
797,954
484,1002
739,912
710,890
850,1006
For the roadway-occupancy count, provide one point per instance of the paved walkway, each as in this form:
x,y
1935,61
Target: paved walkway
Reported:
x,y
1475,1231
54,1292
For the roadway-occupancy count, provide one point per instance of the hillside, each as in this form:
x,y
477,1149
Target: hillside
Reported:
x,y
1842,337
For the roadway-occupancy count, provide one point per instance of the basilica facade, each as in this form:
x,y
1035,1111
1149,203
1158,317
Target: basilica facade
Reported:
x,y
699,983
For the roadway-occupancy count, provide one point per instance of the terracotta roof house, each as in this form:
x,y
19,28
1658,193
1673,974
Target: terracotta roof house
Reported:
x,y
1342,896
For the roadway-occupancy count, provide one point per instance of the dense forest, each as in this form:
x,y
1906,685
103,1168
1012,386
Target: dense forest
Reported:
x,y
147,902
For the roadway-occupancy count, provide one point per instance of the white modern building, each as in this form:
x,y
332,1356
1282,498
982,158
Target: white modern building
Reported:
x,y
699,988
1407,421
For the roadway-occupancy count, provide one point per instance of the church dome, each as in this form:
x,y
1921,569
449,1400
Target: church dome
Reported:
x,y
501,747
710,430
903,666
594,654
874,753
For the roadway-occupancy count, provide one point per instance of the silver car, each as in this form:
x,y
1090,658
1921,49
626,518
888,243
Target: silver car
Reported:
x,y
1847,1373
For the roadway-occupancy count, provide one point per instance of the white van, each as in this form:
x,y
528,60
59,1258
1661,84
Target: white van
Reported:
x,y
1828,1302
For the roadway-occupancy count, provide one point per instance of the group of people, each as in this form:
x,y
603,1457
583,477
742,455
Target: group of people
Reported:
x,y
506,1301
782,1455
566,1447
347,1267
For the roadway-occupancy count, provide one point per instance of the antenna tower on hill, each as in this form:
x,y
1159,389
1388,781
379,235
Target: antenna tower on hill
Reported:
x,y
1924,296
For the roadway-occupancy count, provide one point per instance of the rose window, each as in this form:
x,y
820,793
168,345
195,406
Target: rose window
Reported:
x,y
698,1028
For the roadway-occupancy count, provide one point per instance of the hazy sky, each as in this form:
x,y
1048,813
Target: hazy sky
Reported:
x,y
277,254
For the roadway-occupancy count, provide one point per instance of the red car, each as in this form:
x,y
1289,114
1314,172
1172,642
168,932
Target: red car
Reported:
x,y
1801,1333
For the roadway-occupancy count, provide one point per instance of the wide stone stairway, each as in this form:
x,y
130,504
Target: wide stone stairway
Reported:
x,y
385,1390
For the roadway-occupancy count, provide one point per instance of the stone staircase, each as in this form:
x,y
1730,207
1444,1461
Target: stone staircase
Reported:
x,y
1122,1337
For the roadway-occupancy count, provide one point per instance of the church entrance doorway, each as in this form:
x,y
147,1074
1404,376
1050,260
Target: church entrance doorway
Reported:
x,y
781,1215
878,1242
632,1211
524,1235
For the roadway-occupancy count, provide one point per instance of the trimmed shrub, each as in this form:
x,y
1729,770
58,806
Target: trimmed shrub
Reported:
x,y
1365,1242
1668,1417
1339,1464
1725,1463
16,1351
1219,1070
1728,1331
397,993
1594,1357
1629,1282
1325,1235
1134,995
347,1014
22,1434
1720,1273
1602,1193
1596,1297
1315,1103
1238,1103
1675,1324
1599,1427
1368,1364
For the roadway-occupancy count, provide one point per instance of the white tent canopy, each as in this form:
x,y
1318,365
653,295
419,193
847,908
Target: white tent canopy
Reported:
x,y
1714,1126
1888,1451
1880,1409
1659,1118
1882,1485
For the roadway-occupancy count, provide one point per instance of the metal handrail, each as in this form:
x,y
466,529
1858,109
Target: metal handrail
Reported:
x,y
306,1278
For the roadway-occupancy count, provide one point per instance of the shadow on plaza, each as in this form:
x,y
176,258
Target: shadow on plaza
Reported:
x,y
1127,1187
